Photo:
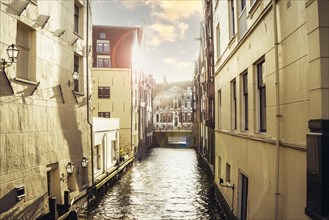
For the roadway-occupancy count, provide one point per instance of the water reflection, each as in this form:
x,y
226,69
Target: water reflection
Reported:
x,y
167,184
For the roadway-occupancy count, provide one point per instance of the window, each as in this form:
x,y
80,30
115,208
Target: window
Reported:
x,y
103,62
245,101
104,92
261,95
234,107
243,4
103,46
218,42
232,18
98,156
189,119
104,114
219,166
219,108
228,173
102,35
76,69
26,60
76,18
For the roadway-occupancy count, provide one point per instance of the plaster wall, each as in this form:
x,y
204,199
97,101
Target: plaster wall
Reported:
x,y
252,152
255,160
119,103
43,124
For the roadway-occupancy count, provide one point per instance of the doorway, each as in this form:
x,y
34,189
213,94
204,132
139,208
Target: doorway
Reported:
x,y
243,197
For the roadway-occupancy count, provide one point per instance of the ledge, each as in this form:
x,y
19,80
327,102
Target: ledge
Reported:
x,y
253,8
77,94
263,138
26,81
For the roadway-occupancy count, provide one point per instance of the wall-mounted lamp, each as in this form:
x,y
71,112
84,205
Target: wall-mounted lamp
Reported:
x,y
84,162
221,183
75,76
69,168
20,192
12,52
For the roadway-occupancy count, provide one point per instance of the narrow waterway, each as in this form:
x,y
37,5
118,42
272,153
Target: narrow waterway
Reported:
x,y
166,184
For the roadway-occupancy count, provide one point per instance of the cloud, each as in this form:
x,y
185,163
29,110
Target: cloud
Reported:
x,y
182,28
130,5
175,10
174,62
158,33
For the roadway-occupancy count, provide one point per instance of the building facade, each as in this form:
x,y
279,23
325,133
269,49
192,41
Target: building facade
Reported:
x,y
116,80
145,130
207,81
271,88
45,132
173,108
106,150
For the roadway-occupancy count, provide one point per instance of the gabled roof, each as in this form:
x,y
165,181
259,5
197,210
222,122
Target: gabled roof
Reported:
x,y
174,89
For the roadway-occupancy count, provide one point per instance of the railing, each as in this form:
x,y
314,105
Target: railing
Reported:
x,y
171,128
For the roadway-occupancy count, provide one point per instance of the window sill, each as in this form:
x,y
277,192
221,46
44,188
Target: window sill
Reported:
x,y
253,8
232,40
78,93
308,2
34,2
26,81
78,34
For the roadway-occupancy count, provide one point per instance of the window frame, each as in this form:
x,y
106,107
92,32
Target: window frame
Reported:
x,y
228,173
101,35
76,68
261,88
102,92
104,114
234,104
26,65
101,46
232,27
76,18
219,107
245,101
218,42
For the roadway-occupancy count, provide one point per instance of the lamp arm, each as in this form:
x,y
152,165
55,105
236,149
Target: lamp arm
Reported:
x,y
5,64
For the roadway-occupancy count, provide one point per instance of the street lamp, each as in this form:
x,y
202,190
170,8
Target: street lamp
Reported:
x,y
12,52
69,168
75,76
84,162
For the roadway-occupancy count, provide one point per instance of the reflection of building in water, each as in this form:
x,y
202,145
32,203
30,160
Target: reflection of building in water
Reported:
x,y
173,107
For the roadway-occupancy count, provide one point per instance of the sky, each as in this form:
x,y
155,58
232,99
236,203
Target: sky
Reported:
x,y
170,28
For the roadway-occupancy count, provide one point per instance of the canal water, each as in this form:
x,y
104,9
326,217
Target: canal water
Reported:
x,y
167,183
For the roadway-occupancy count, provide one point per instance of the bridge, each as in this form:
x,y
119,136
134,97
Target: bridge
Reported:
x,y
181,138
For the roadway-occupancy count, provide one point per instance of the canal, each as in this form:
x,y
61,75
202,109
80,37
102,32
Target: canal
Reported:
x,y
167,183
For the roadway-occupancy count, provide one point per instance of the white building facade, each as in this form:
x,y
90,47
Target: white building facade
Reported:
x,y
106,146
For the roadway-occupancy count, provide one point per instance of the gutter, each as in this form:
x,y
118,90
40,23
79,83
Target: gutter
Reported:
x,y
88,103
278,115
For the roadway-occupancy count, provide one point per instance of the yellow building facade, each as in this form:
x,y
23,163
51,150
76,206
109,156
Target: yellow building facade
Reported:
x,y
45,132
117,103
270,80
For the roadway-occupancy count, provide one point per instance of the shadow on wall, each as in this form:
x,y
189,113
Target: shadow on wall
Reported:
x,y
9,201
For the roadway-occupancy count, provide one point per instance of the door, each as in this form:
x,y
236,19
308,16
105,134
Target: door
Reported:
x,y
243,197
53,182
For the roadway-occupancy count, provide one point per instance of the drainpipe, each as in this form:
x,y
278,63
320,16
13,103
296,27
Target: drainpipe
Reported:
x,y
88,103
278,115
